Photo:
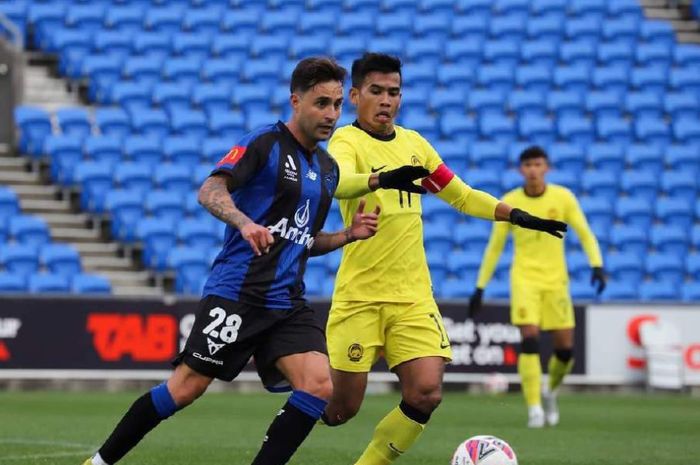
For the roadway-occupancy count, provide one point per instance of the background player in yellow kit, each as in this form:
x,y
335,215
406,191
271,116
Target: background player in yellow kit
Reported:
x,y
539,282
383,300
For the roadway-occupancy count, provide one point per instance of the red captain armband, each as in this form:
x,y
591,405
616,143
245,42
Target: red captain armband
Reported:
x,y
438,179
232,157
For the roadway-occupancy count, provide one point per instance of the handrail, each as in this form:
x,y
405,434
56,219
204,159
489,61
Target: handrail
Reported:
x,y
14,31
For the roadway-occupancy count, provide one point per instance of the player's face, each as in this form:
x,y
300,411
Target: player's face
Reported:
x,y
317,110
378,101
534,170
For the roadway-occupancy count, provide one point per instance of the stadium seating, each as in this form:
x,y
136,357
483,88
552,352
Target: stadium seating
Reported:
x,y
609,93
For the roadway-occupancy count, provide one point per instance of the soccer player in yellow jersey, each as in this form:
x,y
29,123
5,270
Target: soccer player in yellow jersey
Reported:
x,y
539,282
383,301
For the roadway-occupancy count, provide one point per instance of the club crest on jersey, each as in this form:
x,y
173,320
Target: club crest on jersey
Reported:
x,y
295,233
290,170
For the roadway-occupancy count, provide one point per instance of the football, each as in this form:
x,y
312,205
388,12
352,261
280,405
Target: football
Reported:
x,y
484,450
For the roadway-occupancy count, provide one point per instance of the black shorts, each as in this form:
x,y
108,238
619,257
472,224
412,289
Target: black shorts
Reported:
x,y
226,334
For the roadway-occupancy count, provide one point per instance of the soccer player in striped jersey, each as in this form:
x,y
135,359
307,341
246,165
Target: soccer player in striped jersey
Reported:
x,y
539,282
383,301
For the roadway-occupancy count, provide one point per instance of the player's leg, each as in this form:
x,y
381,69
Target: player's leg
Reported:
x,y
348,393
182,388
416,350
558,318
309,376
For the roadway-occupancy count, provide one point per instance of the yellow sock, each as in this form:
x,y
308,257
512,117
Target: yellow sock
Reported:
x,y
392,437
530,371
557,371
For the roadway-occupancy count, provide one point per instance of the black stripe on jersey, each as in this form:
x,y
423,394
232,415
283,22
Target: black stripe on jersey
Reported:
x,y
263,270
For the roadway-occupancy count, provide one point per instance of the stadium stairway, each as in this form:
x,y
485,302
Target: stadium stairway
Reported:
x,y
677,13
58,207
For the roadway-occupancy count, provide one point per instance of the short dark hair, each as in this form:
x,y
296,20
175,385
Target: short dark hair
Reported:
x,y
315,70
371,62
532,152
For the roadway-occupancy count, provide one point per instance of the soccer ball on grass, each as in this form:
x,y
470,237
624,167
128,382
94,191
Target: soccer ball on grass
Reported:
x,y
484,450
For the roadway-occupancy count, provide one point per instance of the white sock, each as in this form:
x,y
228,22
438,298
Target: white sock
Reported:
x,y
97,460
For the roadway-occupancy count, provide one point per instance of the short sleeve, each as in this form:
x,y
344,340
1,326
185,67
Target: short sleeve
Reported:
x,y
242,163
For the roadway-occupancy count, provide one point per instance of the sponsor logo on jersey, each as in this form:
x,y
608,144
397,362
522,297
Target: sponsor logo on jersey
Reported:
x,y
213,346
232,157
312,175
374,170
355,352
290,170
299,234
207,359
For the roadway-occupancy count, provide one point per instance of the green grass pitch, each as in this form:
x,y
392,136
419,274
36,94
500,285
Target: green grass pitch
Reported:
x,y
225,429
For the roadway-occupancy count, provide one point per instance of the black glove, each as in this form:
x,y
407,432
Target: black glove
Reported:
x,y
526,220
402,179
475,303
598,277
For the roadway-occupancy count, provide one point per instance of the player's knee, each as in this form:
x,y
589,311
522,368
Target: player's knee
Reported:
x,y
530,345
426,399
564,355
320,387
187,391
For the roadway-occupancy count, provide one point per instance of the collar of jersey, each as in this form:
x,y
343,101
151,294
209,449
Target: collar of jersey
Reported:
x,y
382,137
283,127
535,196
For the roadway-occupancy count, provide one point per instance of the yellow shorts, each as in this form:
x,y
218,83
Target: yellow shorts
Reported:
x,y
358,333
549,309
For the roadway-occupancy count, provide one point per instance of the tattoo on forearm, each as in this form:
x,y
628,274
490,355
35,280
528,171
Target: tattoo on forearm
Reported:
x,y
214,196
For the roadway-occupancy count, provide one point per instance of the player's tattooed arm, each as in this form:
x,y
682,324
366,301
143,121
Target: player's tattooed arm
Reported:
x,y
364,225
215,196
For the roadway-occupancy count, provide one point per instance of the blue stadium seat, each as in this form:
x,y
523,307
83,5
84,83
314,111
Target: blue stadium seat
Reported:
x,y
418,76
172,177
617,53
655,291
685,79
150,122
607,157
676,211
572,78
505,52
454,75
506,28
686,130
9,203
191,123
488,156
143,69
643,104
526,104
670,240
483,101
600,183
641,184
167,205
34,125
682,105
189,265
448,99
437,238
458,126
497,127
12,283
644,157
44,283
475,7
578,266
146,149
657,32
461,263
230,46
113,121
436,211
514,151
565,104
540,53
576,129
64,151
90,284
599,211
569,179
497,290
165,19
567,157
132,96
61,259
113,43
465,52
454,153
173,96
152,43
621,30
603,104
183,71
635,211
423,122
158,238
214,149
106,148
534,78
191,44
133,176
649,79
200,174
680,184
549,28
212,98
263,71
249,97
614,129
19,259
126,209
654,55
455,289
220,71
182,149
486,180
543,7
496,77
665,267
472,236
692,266
582,290
686,55
29,230
346,48
611,79
202,20
124,18
425,50
243,22
307,46
695,237
101,71
536,129
582,28
691,292
358,23
629,239
652,131
197,234
624,290
578,53
468,26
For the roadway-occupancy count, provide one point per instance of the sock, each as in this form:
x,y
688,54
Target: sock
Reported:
x,y
289,429
144,415
97,460
394,435
530,371
557,370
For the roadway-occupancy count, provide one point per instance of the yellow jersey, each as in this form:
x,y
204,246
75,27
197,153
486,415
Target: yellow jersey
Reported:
x,y
539,258
391,266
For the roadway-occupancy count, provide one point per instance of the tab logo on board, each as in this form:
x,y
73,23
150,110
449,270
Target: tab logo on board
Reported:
x,y
142,338
9,328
